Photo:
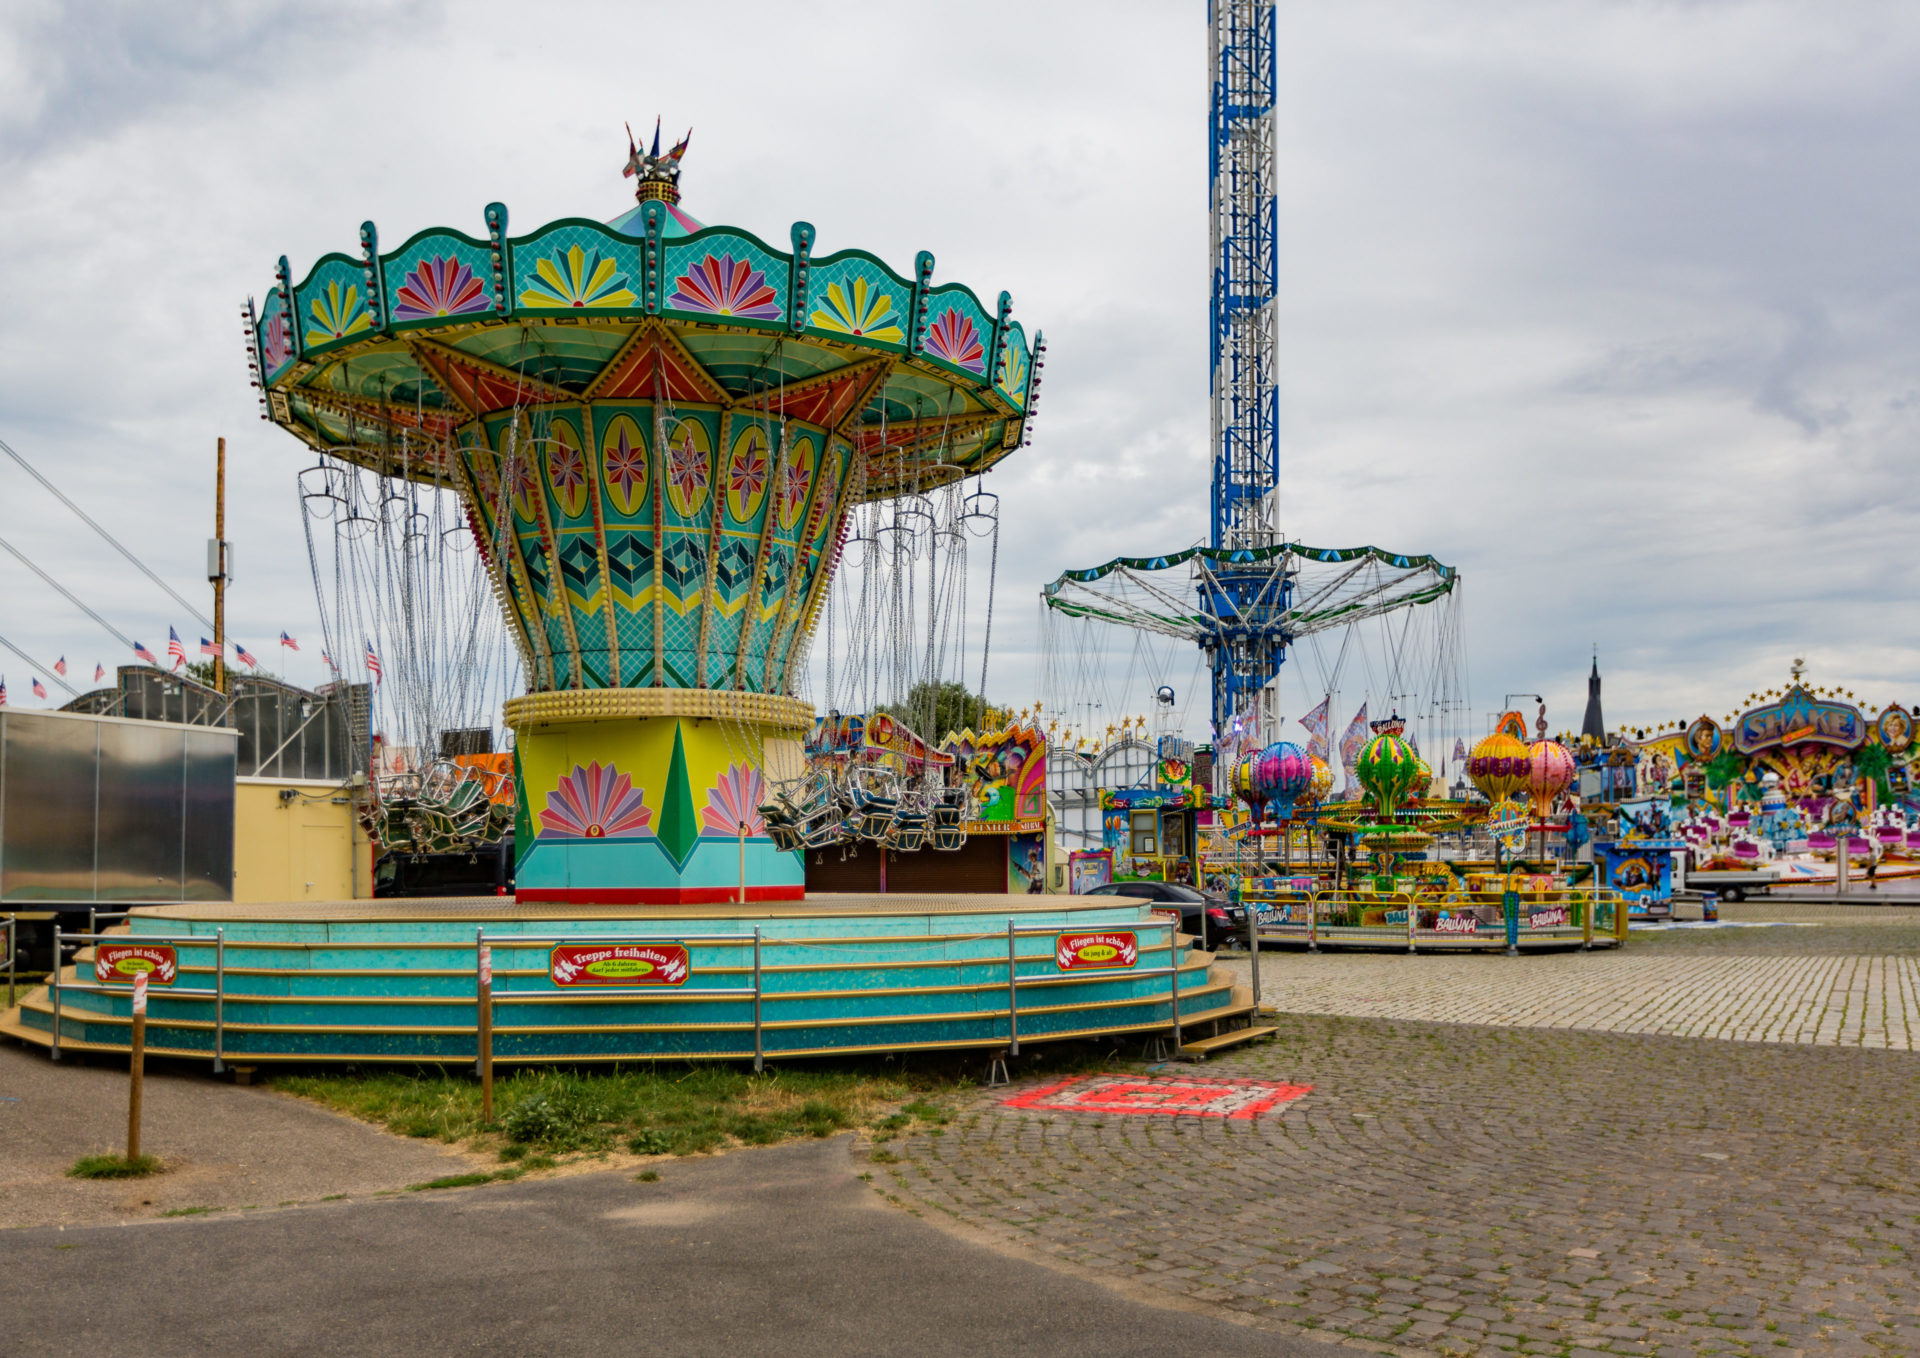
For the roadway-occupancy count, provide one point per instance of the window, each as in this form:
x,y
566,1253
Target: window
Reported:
x,y
1146,833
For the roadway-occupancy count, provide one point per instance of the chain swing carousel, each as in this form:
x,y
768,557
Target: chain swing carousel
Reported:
x,y
662,438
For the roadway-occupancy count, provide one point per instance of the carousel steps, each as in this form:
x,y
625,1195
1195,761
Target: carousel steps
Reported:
x,y
404,989
1201,1048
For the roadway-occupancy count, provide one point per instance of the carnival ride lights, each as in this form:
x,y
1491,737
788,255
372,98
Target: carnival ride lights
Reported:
x,y
657,432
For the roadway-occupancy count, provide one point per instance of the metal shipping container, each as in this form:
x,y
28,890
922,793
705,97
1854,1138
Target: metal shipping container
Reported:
x,y
101,810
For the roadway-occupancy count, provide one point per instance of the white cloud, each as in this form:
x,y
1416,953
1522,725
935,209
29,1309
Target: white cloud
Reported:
x,y
1610,306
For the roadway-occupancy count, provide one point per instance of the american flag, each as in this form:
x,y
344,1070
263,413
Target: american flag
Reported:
x,y
60,667
39,689
327,660
3,693
289,642
373,665
246,656
208,648
140,650
176,649
99,671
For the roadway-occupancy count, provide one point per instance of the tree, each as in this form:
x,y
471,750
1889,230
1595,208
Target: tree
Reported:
x,y
952,707
1723,769
201,672
1874,762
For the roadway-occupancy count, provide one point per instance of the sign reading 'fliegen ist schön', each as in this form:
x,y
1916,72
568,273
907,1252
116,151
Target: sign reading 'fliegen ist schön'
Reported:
x,y
1088,952
120,963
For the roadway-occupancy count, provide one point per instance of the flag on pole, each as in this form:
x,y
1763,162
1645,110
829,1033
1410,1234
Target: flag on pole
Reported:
x,y
176,649
289,642
246,656
140,650
373,660
1459,749
60,667
1350,743
99,671
3,692
1316,724
39,689
208,648
327,660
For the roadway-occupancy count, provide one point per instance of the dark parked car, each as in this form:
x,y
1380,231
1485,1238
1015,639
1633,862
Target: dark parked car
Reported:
x,y
1213,920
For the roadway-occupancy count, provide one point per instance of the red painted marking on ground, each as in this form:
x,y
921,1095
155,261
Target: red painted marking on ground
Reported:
x,y
1191,1095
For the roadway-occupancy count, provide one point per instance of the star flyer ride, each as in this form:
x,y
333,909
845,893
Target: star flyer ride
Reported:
x,y
1249,596
656,430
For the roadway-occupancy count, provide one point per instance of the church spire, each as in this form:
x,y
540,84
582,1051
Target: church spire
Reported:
x,y
1592,724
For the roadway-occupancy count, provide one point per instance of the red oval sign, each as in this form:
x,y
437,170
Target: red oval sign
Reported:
x,y
120,963
1092,952
619,964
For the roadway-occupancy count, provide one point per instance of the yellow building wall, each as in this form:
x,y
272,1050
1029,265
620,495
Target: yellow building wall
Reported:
x,y
297,841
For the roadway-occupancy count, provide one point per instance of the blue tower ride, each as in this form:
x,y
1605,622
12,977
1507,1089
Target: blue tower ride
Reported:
x,y
1248,589
1248,594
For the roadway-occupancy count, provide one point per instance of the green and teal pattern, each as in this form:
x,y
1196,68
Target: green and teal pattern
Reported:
x,y
438,276
331,306
655,428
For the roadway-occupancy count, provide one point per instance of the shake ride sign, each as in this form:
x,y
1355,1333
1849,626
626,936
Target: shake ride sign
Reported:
x,y
619,964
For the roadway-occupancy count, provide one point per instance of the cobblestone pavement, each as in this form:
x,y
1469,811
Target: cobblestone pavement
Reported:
x,y
1471,1189
1827,975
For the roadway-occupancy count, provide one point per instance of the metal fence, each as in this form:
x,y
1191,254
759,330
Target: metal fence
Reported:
x,y
57,986
1557,915
488,996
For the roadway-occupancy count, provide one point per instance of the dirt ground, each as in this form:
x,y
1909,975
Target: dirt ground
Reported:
x,y
223,1145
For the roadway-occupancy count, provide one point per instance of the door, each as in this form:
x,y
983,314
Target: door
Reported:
x,y
324,864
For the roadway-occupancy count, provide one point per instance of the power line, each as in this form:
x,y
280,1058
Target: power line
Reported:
x,y
109,538
68,594
37,666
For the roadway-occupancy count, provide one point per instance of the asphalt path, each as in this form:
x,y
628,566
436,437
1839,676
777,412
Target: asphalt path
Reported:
x,y
768,1251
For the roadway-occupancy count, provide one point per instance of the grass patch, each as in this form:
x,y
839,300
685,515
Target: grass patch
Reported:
x,y
542,1115
647,1176
187,1211
645,1109
467,1180
114,1167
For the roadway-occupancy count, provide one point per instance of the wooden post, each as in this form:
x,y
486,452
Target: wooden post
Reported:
x,y
485,1002
137,1065
220,560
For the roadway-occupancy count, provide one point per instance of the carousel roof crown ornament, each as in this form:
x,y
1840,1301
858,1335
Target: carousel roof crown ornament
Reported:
x,y
658,175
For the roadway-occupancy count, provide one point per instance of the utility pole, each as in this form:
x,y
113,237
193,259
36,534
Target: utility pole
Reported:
x,y
217,568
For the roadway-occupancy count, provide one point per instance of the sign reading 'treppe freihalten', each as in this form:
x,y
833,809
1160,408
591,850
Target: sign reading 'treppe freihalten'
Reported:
x,y
619,964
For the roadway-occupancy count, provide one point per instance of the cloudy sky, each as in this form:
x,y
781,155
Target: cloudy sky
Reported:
x,y
1614,307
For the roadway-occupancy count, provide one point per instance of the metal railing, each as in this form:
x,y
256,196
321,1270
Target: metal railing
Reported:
x,y
509,942
488,995
56,987
1590,910
1015,980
